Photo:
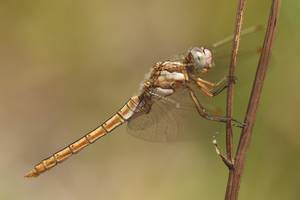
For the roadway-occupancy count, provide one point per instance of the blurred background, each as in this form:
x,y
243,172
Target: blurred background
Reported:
x,y
66,66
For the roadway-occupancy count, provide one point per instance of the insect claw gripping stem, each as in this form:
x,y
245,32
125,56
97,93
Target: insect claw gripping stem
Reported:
x,y
223,84
203,112
232,79
238,124
218,90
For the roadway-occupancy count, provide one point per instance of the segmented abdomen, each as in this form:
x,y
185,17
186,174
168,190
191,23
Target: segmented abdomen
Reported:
x,y
116,120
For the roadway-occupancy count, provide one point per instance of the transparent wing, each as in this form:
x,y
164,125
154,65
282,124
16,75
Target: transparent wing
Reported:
x,y
250,40
168,119
164,121
250,46
177,58
155,126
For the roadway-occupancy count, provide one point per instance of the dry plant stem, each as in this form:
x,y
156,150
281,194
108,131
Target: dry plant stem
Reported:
x,y
235,174
230,91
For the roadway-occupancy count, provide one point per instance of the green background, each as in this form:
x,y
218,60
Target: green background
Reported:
x,y
65,66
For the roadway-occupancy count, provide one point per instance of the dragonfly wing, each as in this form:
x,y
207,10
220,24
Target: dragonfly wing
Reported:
x,y
251,38
249,50
170,119
163,120
180,57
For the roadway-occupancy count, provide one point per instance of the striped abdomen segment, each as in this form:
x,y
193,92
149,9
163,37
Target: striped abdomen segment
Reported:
x,y
116,120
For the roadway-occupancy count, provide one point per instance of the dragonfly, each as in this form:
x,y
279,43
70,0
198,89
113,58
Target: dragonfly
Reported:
x,y
166,78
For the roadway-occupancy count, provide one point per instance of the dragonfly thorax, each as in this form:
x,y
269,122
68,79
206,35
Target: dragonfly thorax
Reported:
x,y
200,59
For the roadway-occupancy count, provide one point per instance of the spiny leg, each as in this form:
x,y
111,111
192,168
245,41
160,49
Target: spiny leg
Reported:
x,y
206,91
212,89
202,111
221,85
211,92
211,84
205,114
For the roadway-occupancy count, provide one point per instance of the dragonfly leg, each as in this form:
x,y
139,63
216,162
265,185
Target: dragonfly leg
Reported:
x,y
204,89
212,89
223,84
224,81
205,114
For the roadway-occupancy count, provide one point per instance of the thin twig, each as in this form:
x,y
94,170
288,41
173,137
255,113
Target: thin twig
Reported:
x,y
230,91
235,174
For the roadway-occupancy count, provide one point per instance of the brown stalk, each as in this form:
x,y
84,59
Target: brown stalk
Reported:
x,y
232,66
235,172
230,91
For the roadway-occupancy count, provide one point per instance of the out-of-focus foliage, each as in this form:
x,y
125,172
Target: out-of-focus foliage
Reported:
x,y
65,66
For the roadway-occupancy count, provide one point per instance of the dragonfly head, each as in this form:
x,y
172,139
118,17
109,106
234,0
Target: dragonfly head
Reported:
x,y
200,59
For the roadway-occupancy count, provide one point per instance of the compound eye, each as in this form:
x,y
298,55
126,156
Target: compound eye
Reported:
x,y
207,52
199,58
